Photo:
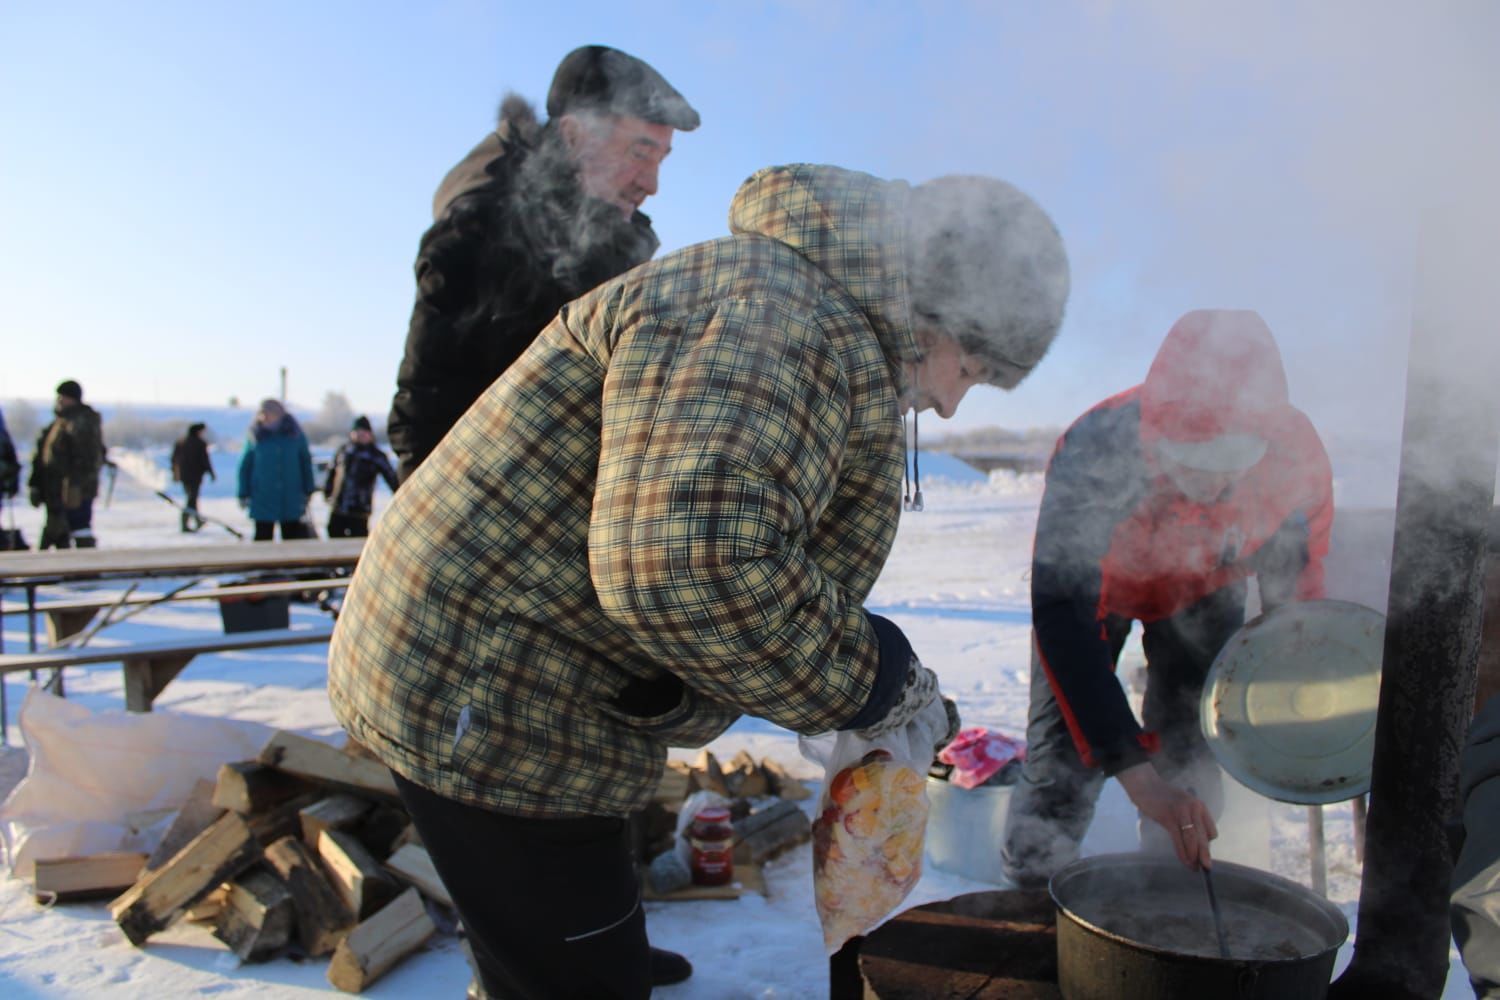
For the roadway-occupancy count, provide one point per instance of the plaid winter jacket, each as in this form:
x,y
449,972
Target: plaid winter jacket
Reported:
x,y
666,514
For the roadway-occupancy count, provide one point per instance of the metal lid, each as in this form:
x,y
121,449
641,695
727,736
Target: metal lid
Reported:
x,y
1289,704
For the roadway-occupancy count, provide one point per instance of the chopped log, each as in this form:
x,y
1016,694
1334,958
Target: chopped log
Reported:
x,y
412,863
355,873
248,787
206,910
408,835
284,820
322,919
763,835
96,876
372,948
197,814
783,784
333,812
744,777
676,783
216,855
257,917
382,829
708,774
317,761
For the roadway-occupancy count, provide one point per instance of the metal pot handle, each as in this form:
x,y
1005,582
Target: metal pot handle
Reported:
x,y
1246,980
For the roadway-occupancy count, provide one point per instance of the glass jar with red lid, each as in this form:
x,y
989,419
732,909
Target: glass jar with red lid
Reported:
x,y
711,838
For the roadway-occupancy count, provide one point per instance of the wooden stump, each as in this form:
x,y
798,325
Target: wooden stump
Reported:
x,y
999,945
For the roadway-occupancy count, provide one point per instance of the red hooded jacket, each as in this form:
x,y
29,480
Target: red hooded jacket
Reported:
x,y
1116,537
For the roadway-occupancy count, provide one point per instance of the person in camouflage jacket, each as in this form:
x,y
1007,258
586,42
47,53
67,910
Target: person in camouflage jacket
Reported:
x,y
667,514
65,470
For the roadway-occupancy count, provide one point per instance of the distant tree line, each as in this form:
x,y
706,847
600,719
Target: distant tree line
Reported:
x,y
126,427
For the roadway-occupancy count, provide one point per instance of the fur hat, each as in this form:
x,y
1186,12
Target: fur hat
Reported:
x,y
987,266
361,424
596,77
71,389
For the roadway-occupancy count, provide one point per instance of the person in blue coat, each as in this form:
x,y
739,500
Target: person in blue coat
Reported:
x,y
276,474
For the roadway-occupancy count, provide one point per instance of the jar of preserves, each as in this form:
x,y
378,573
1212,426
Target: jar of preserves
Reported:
x,y
711,839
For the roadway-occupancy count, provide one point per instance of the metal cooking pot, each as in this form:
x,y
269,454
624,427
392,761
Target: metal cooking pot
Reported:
x,y
1132,925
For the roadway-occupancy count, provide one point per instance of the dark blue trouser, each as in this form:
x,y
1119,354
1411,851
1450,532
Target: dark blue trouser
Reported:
x,y
1052,805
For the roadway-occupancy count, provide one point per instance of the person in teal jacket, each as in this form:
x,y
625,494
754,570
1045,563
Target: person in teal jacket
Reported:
x,y
276,474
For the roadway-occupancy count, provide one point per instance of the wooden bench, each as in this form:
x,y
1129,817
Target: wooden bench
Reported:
x,y
150,666
70,616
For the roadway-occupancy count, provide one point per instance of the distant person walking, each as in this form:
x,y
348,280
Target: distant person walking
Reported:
x,y
276,474
350,487
10,485
190,463
65,470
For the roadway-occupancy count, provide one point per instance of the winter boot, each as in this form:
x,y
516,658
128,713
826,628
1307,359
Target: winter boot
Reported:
x,y
184,517
668,967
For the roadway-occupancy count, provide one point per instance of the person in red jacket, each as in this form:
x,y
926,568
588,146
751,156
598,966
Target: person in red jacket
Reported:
x,y
1159,504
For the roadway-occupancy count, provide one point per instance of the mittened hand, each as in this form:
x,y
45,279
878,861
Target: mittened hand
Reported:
x,y
920,694
244,503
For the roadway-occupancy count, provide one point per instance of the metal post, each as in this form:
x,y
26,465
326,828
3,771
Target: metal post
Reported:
x,y
1444,497
1317,852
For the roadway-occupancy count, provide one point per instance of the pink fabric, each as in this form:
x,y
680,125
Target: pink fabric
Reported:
x,y
977,753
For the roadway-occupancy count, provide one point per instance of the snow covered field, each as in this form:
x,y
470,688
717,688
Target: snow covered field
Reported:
x,y
956,583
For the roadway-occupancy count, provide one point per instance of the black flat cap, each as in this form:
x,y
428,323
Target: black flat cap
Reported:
x,y
599,78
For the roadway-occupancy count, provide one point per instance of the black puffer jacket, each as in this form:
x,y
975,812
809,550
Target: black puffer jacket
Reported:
x,y
494,270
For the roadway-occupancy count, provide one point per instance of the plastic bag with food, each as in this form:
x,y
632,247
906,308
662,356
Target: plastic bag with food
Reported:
x,y
872,819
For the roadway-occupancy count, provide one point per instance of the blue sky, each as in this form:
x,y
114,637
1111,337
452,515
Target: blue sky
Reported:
x,y
193,195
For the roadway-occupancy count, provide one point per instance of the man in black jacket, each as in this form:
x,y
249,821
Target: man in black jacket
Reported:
x,y
533,217
190,463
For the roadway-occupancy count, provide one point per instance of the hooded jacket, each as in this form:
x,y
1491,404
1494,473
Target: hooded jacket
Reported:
x,y
350,485
276,472
501,259
1115,538
69,455
666,514
190,460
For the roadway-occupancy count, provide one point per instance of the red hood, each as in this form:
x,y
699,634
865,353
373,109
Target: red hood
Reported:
x,y
1218,372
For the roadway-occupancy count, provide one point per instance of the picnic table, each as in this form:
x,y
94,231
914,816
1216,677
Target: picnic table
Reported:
x,y
149,667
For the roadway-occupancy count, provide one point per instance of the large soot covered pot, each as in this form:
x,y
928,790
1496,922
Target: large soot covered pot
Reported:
x,y
1130,925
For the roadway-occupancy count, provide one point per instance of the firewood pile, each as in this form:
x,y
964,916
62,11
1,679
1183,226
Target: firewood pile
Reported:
x,y
763,805
304,849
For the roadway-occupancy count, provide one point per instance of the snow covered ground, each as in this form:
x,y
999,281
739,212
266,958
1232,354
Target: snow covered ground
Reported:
x,y
956,583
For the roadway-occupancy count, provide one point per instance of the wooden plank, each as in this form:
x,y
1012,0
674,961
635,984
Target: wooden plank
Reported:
x,y
216,855
190,646
96,876
20,568
320,762
257,917
355,873
783,829
322,919
195,816
412,863
376,945
248,787
334,812
106,600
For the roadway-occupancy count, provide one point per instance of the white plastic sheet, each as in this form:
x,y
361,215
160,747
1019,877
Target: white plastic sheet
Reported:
x,y
109,781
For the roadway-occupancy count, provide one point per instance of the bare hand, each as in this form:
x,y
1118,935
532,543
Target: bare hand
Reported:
x,y
1189,824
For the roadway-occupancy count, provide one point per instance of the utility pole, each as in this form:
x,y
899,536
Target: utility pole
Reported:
x,y
283,385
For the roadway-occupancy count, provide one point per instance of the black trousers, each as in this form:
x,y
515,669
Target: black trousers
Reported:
x,y
265,530
1052,805
348,525
552,907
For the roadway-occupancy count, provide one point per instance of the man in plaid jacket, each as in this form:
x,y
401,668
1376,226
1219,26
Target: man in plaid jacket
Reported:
x,y
667,514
